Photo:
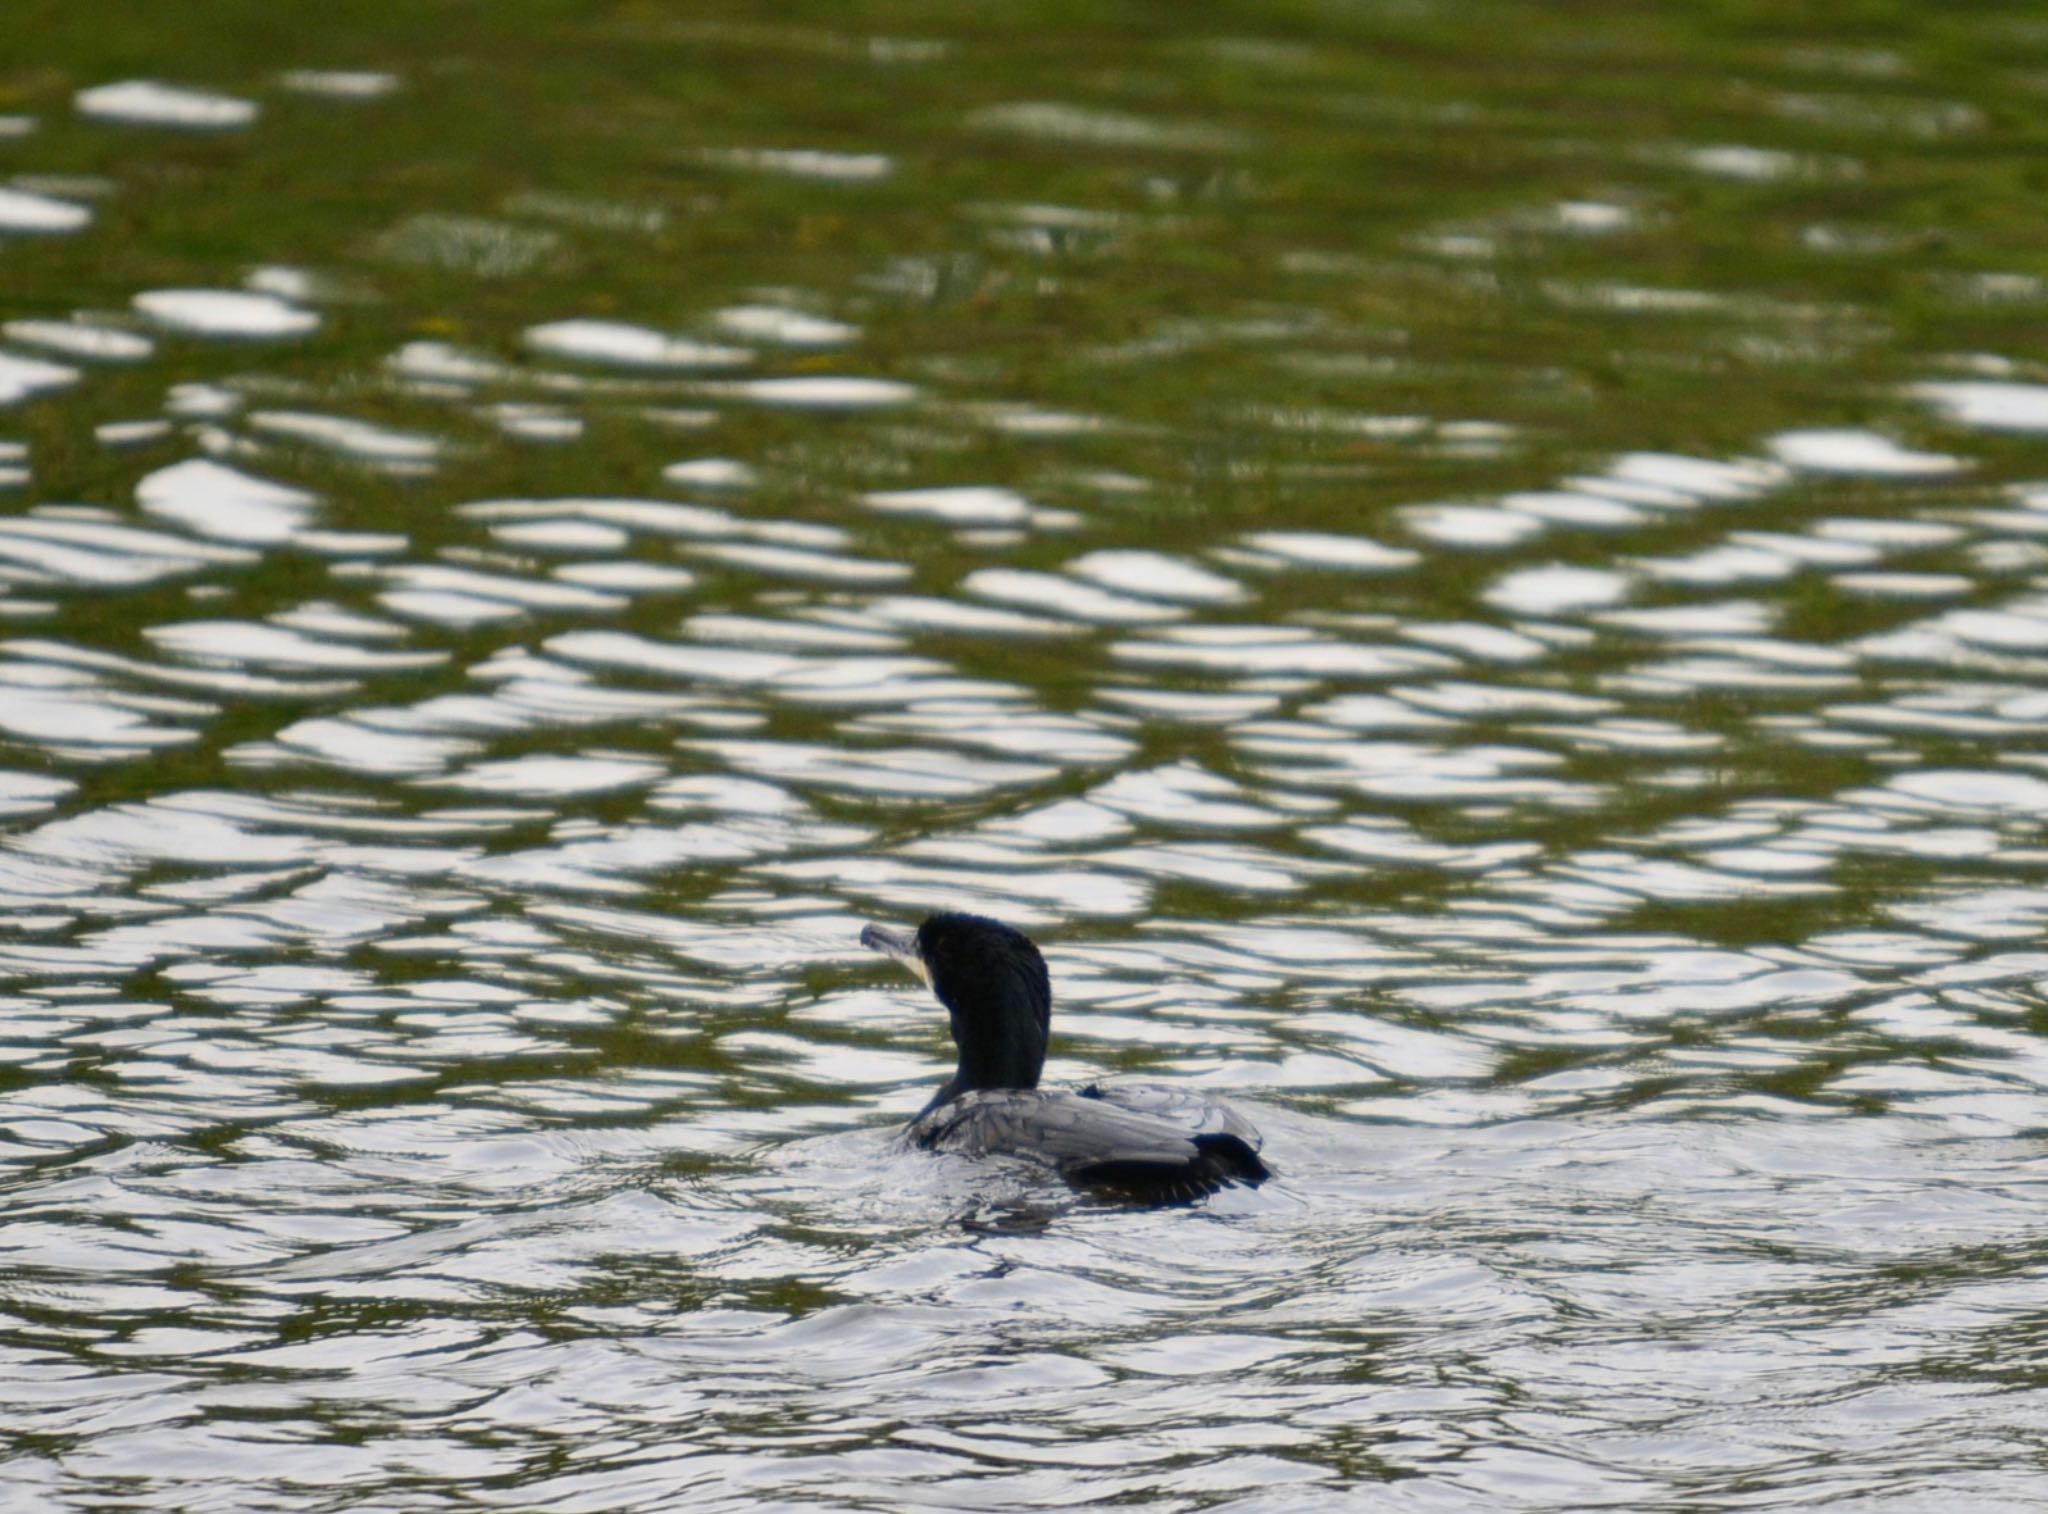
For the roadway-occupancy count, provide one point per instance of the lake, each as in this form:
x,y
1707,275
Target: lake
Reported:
x,y
1476,574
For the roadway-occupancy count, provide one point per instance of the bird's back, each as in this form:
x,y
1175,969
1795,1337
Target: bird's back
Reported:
x,y
1142,1140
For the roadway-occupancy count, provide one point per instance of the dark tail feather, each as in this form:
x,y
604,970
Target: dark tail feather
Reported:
x,y
1238,1162
1220,1161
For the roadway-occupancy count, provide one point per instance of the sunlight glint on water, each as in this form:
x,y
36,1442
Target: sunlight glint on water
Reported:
x,y
1500,624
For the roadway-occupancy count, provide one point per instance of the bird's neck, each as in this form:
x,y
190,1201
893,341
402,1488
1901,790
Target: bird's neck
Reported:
x,y
1009,1053
998,1067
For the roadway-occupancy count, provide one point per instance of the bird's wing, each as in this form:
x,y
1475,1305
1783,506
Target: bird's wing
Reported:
x,y
1183,1108
1054,1127
1093,1141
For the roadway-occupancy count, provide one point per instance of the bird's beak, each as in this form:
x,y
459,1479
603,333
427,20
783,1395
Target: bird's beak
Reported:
x,y
899,947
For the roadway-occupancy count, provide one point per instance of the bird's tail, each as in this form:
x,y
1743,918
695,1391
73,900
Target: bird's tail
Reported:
x,y
1219,1161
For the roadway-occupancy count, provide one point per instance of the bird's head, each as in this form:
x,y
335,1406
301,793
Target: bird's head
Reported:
x,y
995,988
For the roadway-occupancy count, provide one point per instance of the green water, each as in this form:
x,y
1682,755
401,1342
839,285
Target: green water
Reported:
x,y
1493,609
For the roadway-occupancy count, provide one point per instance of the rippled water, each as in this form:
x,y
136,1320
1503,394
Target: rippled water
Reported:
x,y
1491,606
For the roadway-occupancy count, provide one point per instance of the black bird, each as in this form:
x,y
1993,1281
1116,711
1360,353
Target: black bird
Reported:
x,y
1139,1140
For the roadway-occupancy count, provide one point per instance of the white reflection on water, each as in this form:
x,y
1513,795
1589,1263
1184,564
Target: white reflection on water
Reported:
x,y
230,314
785,327
1065,596
957,505
85,340
806,163
1858,452
823,393
438,1067
1989,405
144,102
1317,549
215,500
339,84
710,473
619,344
359,440
23,213
22,377
54,546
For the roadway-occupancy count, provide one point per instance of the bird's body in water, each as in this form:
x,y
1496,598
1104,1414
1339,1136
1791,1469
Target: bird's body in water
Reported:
x,y
1144,1140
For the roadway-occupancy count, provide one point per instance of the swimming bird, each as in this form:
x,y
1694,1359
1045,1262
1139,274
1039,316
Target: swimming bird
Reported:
x,y
1146,1141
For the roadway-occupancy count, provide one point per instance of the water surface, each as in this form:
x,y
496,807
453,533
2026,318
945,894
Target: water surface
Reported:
x,y
1476,574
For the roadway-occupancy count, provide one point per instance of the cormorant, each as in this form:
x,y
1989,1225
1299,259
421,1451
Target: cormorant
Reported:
x,y
1140,1140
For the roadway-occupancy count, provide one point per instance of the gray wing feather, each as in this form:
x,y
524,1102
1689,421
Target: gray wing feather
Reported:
x,y
1059,1129
1144,1133
1181,1107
